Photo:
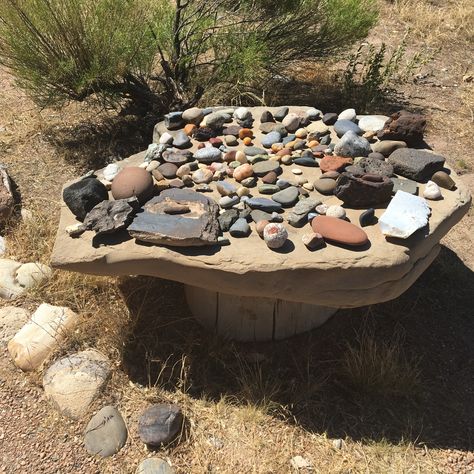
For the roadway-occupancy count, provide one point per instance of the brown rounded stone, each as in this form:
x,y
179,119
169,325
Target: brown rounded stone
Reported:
x,y
441,178
334,163
330,175
229,157
133,181
270,178
243,171
245,133
339,231
284,152
325,186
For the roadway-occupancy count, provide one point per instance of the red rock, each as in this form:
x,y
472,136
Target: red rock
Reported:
x,y
334,163
339,231
133,181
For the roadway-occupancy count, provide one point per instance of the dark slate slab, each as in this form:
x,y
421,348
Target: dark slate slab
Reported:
x,y
177,217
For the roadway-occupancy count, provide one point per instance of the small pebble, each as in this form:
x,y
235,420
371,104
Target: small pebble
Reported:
x,y
296,171
367,217
336,211
322,209
260,226
313,240
432,191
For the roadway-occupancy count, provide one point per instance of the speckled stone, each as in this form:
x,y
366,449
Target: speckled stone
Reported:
x,y
275,235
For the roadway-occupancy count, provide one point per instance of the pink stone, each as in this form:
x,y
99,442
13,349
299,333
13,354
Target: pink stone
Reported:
x,y
339,231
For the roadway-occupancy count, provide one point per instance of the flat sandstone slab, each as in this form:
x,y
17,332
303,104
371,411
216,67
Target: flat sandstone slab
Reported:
x,y
333,276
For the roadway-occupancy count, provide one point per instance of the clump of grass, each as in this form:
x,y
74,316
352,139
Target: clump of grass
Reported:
x,y
379,368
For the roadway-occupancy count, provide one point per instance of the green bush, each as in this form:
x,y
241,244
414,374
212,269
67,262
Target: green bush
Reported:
x,y
164,54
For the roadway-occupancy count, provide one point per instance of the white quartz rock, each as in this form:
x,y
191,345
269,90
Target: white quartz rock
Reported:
x,y
166,138
432,191
110,171
348,114
41,335
372,123
404,215
242,113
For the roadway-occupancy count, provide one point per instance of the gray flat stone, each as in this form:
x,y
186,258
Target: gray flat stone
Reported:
x,y
286,197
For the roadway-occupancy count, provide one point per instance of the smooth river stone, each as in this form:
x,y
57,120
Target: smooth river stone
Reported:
x,y
287,197
264,204
339,231
106,432
387,147
441,178
325,186
268,189
341,127
208,155
253,151
264,167
270,139
404,215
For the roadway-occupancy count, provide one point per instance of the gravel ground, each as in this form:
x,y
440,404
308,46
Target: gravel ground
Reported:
x,y
30,439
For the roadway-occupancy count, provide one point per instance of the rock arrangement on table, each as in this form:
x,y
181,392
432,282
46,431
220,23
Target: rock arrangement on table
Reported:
x,y
365,161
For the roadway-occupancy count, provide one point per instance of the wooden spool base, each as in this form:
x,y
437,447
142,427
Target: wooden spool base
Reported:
x,y
247,318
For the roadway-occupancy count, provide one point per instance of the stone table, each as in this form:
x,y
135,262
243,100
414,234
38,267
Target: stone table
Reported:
x,y
249,292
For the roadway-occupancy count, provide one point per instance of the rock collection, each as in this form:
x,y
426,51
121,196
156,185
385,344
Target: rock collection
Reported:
x,y
210,171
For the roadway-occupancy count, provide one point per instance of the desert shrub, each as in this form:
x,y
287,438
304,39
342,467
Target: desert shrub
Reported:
x,y
372,72
163,53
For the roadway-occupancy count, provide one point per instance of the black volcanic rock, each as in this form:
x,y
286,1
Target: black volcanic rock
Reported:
x,y
82,196
363,191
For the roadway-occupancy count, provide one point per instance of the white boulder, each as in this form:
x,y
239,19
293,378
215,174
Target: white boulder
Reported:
x,y
41,335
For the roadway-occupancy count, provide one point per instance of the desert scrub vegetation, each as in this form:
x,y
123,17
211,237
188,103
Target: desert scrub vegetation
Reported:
x,y
372,72
163,54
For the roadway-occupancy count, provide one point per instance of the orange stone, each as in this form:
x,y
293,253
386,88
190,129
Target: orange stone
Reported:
x,y
243,171
245,132
276,147
313,143
334,163
339,231
189,129
247,141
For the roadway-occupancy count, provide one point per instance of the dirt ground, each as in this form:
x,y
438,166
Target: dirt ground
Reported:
x,y
250,408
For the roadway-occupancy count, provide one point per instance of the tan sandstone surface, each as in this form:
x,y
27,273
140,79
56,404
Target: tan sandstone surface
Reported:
x,y
332,276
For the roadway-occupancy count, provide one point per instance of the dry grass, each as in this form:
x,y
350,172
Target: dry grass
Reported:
x,y
438,22
381,369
